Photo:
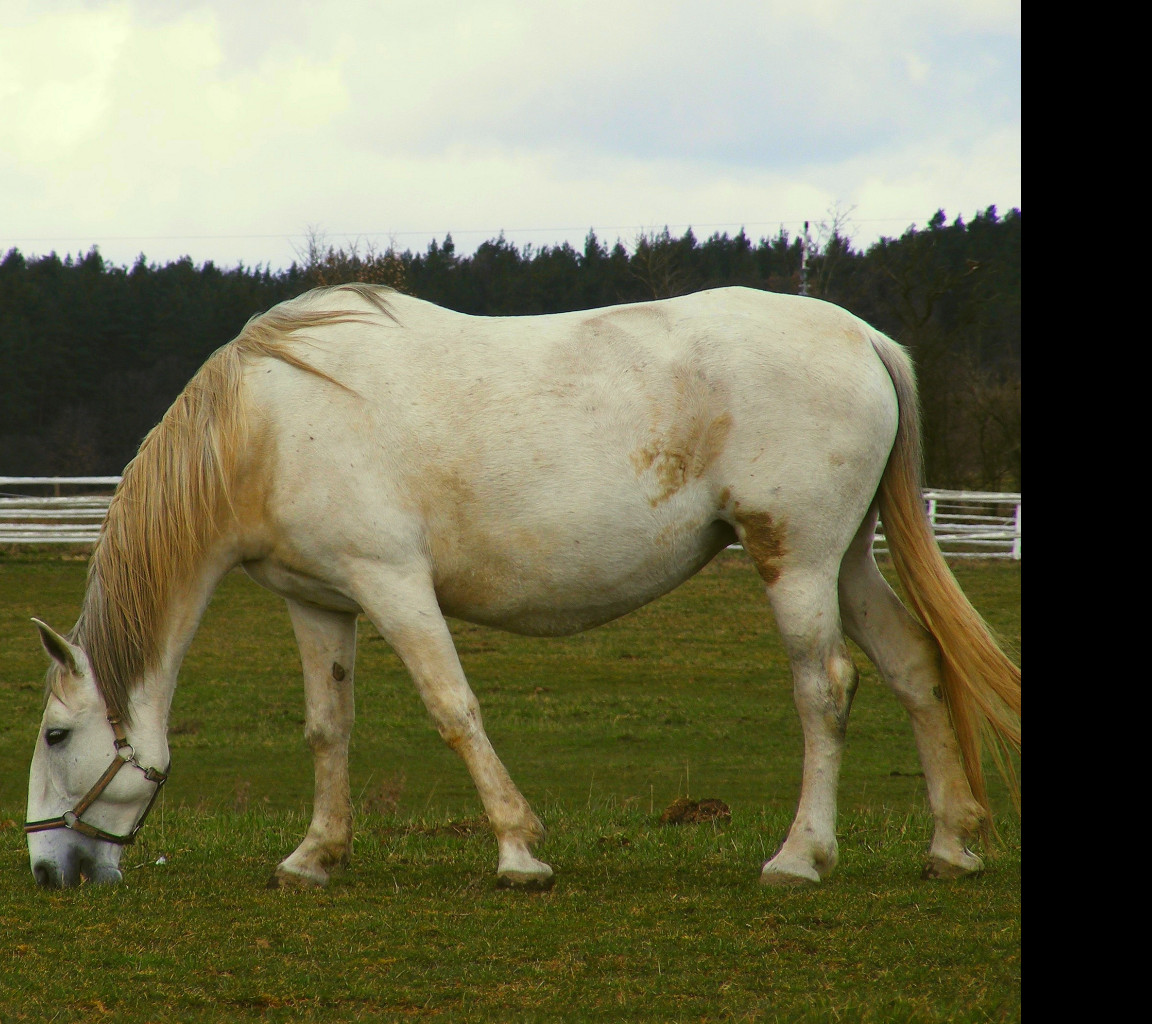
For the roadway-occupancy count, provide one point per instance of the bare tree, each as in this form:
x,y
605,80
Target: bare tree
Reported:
x,y
325,266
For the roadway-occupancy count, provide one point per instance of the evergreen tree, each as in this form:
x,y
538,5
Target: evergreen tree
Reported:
x,y
91,354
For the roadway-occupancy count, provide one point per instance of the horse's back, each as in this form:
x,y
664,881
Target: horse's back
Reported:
x,y
566,390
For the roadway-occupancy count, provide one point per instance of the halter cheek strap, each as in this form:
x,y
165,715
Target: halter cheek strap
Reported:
x,y
71,819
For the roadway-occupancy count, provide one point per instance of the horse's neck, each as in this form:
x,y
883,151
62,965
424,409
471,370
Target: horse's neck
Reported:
x,y
181,622
188,607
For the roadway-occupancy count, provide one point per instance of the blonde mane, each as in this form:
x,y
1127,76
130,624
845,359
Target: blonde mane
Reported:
x,y
175,496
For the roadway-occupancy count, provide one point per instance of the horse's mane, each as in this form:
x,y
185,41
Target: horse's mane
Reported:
x,y
175,496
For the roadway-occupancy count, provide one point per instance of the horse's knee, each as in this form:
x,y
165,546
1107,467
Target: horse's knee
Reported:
x,y
324,736
328,716
458,724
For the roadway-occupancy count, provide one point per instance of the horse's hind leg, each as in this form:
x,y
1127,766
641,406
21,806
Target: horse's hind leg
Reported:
x,y
404,610
908,659
327,642
824,682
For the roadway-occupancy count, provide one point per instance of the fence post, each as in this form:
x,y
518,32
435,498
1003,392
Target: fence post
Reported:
x,y
1016,532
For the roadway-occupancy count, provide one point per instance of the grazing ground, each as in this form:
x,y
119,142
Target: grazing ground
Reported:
x,y
690,696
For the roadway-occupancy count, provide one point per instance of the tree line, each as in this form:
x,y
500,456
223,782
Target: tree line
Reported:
x,y
91,354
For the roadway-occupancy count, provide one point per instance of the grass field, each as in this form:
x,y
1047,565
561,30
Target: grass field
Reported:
x,y
689,696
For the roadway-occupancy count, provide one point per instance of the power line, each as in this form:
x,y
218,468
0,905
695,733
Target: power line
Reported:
x,y
489,232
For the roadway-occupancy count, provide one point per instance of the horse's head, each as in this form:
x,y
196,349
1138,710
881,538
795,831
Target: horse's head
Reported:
x,y
91,783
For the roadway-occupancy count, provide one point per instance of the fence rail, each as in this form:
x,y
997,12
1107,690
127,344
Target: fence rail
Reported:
x,y
971,524
61,510
968,524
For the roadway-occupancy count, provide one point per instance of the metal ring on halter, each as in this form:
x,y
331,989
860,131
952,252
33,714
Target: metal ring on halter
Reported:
x,y
71,819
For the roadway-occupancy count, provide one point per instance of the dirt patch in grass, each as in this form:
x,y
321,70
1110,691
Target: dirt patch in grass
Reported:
x,y
683,811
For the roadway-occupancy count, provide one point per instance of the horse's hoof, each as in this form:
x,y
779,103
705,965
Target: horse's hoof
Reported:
x,y
282,879
525,883
518,869
789,871
939,868
788,879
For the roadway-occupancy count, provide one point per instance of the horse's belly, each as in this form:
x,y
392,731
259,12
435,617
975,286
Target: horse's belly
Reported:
x,y
571,591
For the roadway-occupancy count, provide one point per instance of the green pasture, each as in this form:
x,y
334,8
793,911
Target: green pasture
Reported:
x,y
689,696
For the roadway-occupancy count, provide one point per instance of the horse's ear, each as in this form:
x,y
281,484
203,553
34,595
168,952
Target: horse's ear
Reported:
x,y
59,649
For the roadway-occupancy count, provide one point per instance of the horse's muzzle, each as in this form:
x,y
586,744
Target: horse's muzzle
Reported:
x,y
74,870
63,859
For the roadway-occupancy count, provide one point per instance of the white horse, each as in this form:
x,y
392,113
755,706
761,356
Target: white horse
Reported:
x,y
361,451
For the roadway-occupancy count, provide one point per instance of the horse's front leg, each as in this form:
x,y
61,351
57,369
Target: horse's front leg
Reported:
x,y
327,643
404,609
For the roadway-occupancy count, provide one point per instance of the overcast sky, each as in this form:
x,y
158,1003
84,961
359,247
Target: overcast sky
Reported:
x,y
227,130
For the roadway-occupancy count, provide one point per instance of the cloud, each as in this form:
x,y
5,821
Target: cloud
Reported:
x,y
750,83
180,126
56,71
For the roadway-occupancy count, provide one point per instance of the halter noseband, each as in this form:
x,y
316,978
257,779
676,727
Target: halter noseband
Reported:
x,y
71,819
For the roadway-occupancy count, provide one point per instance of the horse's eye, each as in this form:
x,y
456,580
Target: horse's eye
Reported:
x,y
54,736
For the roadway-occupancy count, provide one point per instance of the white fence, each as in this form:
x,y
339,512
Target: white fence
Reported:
x,y
46,516
972,524
968,524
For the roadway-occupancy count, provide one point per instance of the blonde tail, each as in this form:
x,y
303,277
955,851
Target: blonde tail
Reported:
x,y
981,685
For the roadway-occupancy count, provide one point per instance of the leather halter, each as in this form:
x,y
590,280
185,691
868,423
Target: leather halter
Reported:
x,y
71,819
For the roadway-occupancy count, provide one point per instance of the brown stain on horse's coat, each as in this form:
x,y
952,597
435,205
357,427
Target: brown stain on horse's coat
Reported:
x,y
763,539
683,454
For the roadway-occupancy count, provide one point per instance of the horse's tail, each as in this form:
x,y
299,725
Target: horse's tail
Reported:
x,y
981,686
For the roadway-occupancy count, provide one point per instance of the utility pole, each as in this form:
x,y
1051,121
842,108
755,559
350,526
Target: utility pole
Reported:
x,y
804,262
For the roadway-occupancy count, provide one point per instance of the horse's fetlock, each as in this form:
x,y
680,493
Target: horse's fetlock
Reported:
x,y
825,857
966,820
517,822
974,822
534,829
336,856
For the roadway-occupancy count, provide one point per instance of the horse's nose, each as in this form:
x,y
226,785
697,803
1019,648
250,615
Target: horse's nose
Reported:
x,y
46,875
58,873
101,874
